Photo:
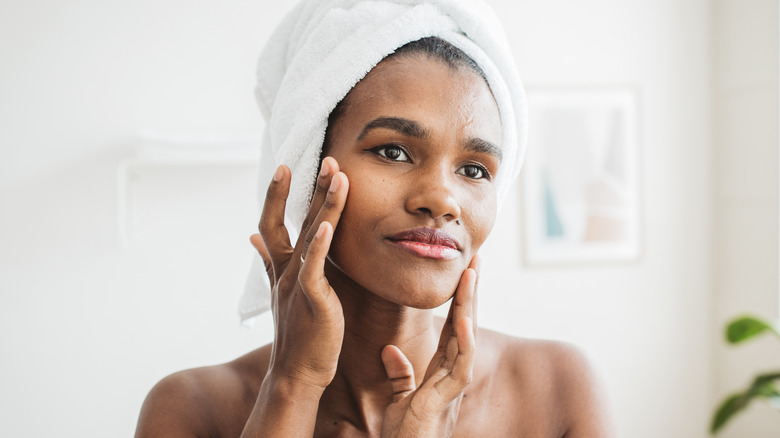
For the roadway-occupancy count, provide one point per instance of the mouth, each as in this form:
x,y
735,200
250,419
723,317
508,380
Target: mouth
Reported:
x,y
427,243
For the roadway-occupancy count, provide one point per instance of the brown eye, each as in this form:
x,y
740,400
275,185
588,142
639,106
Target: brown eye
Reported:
x,y
393,153
473,171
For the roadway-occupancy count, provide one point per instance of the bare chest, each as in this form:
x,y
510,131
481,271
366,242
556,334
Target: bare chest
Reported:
x,y
498,408
488,409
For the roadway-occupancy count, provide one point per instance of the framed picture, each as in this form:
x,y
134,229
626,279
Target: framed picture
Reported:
x,y
581,177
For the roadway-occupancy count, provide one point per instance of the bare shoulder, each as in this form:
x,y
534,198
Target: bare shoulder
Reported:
x,y
207,401
551,384
561,362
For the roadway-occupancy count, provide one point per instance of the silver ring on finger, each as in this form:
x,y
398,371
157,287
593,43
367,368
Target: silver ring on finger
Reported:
x,y
302,260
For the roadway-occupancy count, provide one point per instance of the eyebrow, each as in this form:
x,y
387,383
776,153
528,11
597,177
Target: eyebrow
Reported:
x,y
485,147
407,127
410,128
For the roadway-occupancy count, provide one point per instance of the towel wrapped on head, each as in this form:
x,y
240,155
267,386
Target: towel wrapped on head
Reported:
x,y
323,48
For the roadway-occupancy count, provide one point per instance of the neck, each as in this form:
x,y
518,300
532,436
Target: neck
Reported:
x,y
371,323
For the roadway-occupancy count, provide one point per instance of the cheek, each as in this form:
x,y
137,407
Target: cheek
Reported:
x,y
479,217
368,202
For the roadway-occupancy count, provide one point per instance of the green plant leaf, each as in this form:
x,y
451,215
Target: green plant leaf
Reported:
x,y
747,327
727,409
762,387
763,379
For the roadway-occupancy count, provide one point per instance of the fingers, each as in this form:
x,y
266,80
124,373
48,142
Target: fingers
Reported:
x,y
476,265
458,374
257,241
327,204
464,312
462,315
457,345
312,273
328,168
399,371
464,361
329,210
465,300
464,304
275,237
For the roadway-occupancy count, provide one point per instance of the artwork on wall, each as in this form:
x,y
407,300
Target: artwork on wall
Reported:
x,y
581,177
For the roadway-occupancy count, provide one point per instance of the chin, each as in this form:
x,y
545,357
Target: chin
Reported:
x,y
420,299
420,287
423,290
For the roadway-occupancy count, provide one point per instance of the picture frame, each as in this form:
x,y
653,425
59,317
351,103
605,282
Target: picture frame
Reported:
x,y
581,178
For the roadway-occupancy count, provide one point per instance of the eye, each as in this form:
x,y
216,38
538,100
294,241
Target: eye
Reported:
x,y
392,152
474,171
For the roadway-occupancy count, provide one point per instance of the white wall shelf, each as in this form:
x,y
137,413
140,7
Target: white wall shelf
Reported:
x,y
152,153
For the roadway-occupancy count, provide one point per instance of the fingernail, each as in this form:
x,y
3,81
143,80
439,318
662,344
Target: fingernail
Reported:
x,y
335,183
278,174
321,230
324,168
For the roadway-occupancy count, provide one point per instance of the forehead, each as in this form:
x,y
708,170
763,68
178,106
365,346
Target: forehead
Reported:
x,y
442,97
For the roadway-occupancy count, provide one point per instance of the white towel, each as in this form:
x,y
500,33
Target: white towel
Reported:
x,y
322,48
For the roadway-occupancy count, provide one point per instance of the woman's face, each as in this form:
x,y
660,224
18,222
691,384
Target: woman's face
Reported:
x,y
420,144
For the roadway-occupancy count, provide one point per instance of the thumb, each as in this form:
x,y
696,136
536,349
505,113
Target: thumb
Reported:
x,y
399,371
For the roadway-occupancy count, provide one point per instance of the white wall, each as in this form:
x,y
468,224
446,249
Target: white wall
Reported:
x,y
646,323
87,327
746,71
90,327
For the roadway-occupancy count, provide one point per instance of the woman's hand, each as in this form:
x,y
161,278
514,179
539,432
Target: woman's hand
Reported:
x,y
308,318
431,410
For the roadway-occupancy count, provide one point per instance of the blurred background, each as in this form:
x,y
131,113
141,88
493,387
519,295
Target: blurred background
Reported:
x,y
122,260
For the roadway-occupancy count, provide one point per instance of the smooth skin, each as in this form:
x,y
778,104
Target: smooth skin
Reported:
x,y
357,350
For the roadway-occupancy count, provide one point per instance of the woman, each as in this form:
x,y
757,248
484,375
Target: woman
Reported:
x,y
405,195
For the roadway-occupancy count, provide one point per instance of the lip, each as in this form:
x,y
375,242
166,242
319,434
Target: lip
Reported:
x,y
427,243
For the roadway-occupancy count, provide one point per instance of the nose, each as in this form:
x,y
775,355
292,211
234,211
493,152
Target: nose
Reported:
x,y
432,194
